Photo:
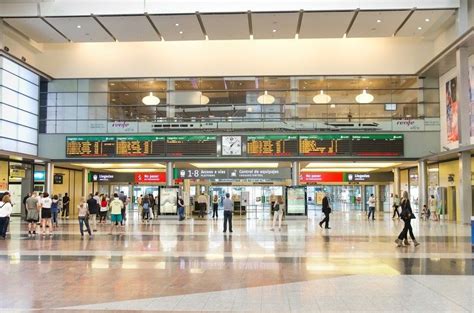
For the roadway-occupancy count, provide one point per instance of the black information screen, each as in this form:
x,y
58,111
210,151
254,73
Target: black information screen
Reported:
x,y
377,145
191,146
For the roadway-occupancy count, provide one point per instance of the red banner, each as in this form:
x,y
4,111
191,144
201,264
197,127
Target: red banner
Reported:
x,y
321,177
152,177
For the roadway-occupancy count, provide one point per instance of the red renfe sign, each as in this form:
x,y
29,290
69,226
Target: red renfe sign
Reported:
x,y
154,177
321,177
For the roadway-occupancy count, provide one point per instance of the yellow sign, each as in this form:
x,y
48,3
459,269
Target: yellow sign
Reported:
x,y
319,197
17,173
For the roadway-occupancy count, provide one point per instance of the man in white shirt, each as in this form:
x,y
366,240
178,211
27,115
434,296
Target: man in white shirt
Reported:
x,y
371,203
202,201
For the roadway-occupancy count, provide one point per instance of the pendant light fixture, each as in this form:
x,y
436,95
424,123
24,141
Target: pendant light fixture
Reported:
x,y
322,98
364,97
266,98
204,99
151,99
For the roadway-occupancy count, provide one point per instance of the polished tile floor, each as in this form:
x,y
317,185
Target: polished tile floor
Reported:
x,y
191,266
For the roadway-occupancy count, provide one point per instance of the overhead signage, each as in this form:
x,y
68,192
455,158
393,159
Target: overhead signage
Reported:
x,y
340,177
311,145
102,177
325,145
233,174
377,145
39,176
272,145
17,173
152,177
111,177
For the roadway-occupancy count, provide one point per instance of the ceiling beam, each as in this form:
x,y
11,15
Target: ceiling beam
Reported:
x,y
160,37
103,27
57,30
249,18
203,29
356,12
404,21
300,20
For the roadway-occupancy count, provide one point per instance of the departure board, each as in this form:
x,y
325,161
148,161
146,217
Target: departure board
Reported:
x,y
90,146
378,145
272,145
191,146
325,145
140,146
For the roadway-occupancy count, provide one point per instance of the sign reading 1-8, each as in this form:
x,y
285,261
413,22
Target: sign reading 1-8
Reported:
x,y
231,145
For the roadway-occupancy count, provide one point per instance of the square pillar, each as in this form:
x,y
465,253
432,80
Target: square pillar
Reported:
x,y
422,184
464,191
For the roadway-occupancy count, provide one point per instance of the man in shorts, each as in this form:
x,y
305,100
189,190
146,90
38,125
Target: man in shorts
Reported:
x,y
116,206
32,213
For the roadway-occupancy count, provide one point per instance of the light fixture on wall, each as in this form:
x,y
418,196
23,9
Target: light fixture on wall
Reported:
x,y
204,99
266,98
151,99
364,97
322,98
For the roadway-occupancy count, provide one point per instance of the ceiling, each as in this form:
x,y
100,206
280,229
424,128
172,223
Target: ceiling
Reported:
x,y
234,26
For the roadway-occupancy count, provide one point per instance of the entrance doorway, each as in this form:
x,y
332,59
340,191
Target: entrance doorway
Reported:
x,y
341,198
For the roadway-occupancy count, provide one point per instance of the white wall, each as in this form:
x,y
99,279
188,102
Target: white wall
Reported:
x,y
239,57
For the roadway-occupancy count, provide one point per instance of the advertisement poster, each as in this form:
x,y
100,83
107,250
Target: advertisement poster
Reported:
x,y
168,200
471,91
451,111
296,200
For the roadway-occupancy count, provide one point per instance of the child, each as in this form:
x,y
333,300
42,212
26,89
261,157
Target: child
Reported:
x,y
426,213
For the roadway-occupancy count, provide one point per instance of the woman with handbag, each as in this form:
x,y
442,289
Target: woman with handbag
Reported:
x,y
277,212
83,217
406,215
326,210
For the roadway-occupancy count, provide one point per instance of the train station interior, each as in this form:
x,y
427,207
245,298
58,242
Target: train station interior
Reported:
x,y
250,156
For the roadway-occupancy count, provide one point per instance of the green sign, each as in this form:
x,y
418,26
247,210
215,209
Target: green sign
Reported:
x,y
192,138
141,138
325,137
378,137
272,137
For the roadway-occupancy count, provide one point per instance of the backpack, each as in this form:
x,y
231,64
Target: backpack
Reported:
x,y
146,205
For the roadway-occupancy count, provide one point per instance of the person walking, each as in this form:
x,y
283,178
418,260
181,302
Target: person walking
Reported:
x,y
181,215
65,213
32,213
55,211
406,215
104,207
83,217
93,211
371,203
45,205
215,207
116,207
396,205
202,201
145,208
278,212
24,205
433,208
228,209
6,209
123,211
326,211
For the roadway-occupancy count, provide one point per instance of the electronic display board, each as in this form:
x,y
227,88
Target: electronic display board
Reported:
x,y
140,146
191,145
378,145
322,145
272,145
90,146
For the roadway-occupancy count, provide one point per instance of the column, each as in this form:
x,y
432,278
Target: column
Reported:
x,y
49,177
422,184
293,98
186,195
378,199
363,200
464,191
295,173
169,174
421,98
85,182
396,181
170,109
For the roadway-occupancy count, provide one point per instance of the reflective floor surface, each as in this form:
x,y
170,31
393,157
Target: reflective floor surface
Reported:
x,y
191,266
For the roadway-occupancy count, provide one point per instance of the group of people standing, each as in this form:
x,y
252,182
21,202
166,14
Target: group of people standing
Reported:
x,y
149,207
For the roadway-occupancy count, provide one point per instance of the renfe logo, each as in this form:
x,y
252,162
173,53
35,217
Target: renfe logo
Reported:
x,y
120,124
405,122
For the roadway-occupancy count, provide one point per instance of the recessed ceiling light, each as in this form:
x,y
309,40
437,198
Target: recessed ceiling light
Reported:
x,y
427,19
78,26
274,30
420,28
379,21
181,32
176,24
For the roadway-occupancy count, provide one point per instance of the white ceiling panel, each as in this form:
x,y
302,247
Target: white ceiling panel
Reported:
x,y
274,25
325,24
226,26
36,29
430,21
366,24
178,27
80,29
130,28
